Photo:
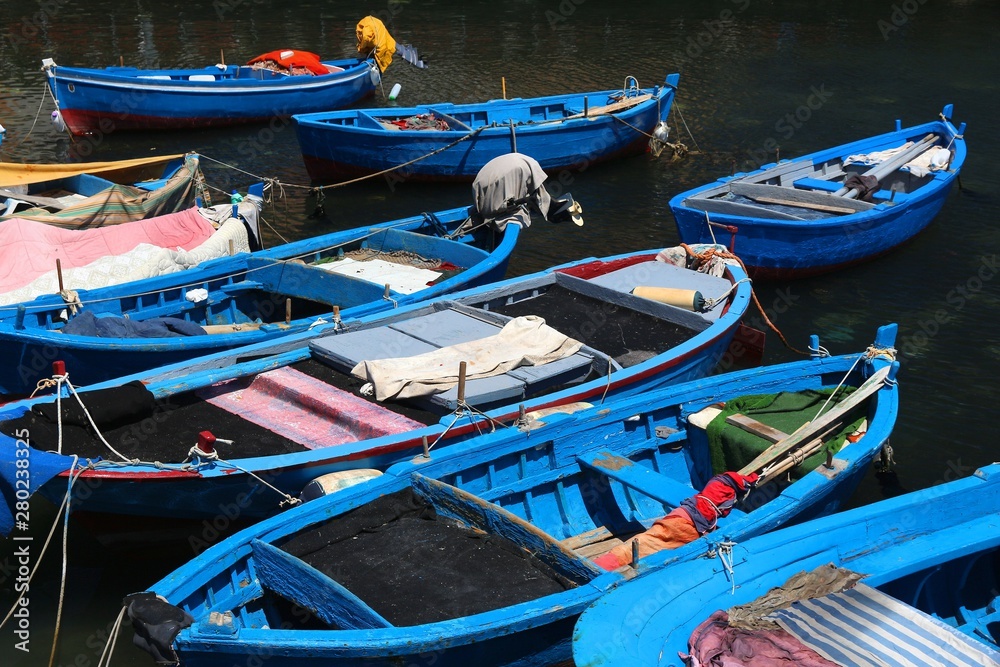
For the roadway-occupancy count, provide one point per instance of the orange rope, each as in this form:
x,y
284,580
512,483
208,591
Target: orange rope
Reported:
x,y
711,253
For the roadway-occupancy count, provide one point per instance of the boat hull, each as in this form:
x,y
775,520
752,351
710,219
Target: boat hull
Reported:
x,y
107,100
349,144
783,249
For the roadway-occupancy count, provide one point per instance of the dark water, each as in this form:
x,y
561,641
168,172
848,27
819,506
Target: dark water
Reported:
x,y
745,65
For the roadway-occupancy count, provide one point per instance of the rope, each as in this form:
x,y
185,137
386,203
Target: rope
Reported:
x,y
677,109
869,354
109,647
320,188
463,409
45,86
41,555
725,254
726,557
62,577
213,456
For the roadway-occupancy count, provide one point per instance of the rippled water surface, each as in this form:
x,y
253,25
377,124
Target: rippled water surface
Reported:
x,y
744,66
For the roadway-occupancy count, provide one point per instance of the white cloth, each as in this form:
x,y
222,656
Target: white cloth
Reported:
x,y
196,295
144,261
932,159
876,157
524,341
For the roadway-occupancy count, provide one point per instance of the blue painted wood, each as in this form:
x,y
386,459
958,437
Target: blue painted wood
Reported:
x,y
493,519
180,98
26,345
638,477
936,549
491,483
131,488
789,242
340,144
309,588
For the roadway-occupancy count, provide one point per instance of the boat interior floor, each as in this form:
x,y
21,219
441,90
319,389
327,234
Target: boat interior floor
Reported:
x,y
414,566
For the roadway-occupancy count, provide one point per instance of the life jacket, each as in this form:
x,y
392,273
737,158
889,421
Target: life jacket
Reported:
x,y
717,499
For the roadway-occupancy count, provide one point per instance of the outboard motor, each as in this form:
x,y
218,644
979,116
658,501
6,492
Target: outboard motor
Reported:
x,y
510,187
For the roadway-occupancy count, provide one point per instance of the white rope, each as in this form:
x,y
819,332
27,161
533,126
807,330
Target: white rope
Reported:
x,y
197,453
65,549
711,303
819,350
109,647
41,554
871,353
90,420
726,556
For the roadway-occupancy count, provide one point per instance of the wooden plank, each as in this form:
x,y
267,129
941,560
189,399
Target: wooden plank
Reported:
x,y
817,207
599,548
754,427
639,477
47,202
809,431
231,328
739,209
620,105
478,513
803,197
299,582
598,534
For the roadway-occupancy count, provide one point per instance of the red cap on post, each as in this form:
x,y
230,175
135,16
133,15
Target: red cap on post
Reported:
x,y
206,442
59,367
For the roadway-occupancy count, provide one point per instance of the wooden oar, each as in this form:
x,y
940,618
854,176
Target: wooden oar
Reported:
x,y
880,171
810,430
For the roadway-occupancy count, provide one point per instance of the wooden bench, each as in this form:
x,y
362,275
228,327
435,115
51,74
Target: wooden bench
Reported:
x,y
642,479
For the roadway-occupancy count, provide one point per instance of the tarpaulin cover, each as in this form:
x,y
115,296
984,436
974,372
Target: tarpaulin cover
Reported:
x,y
523,341
41,467
413,566
508,178
88,324
119,171
732,448
29,249
289,58
120,203
375,39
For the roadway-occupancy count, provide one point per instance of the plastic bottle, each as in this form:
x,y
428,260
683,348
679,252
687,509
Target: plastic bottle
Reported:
x,y
394,93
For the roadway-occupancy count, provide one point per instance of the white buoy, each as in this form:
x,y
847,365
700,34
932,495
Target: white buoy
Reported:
x,y
682,298
58,121
394,93
333,482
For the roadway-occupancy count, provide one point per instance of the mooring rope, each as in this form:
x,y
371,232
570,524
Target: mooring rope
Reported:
x,y
725,254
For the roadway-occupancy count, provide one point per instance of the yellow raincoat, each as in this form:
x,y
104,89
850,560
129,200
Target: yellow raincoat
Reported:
x,y
372,35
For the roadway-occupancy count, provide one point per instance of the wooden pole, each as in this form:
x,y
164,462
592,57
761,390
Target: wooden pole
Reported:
x,y
121,61
427,450
336,314
59,274
503,86
232,248
586,106
461,382
222,57
513,137
288,311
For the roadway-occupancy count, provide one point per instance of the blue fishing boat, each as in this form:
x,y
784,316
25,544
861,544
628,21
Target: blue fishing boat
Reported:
x,y
128,98
370,391
829,209
246,298
97,194
273,85
486,552
453,141
929,569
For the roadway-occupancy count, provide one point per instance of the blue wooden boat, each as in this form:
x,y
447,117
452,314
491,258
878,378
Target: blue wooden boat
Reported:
x,y
96,194
127,98
250,297
298,409
803,216
560,131
930,562
529,508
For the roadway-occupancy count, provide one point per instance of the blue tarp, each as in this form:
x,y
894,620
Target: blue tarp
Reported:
x,y
87,324
40,467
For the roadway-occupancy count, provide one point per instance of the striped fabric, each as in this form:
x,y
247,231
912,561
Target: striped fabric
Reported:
x,y
864,627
